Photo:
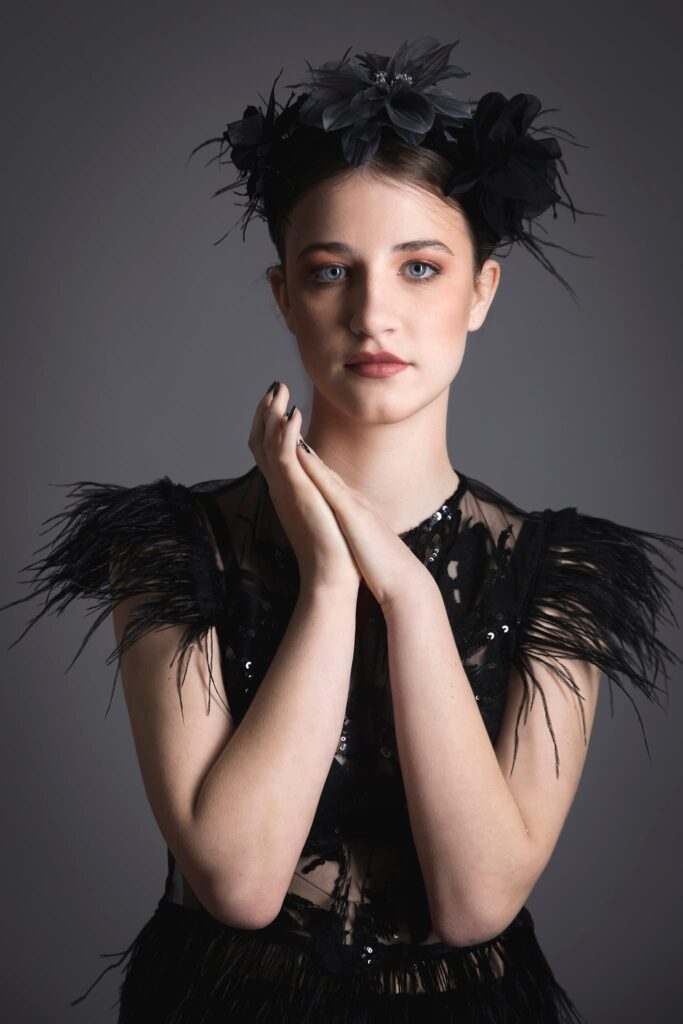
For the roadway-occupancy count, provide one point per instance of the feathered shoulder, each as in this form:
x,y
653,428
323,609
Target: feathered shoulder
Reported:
x,y
597,590
156,539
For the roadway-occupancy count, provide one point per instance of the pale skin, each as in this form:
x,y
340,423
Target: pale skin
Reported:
x,y
379,465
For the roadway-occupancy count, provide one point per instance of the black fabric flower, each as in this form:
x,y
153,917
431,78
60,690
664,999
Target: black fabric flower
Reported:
x,y
503,174
515,171
250,141
360,96
509,175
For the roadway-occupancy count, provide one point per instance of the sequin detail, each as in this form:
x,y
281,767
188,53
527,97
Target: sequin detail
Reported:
x,y
357,899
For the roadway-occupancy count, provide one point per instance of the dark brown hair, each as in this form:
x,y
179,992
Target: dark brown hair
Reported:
x,y
311,156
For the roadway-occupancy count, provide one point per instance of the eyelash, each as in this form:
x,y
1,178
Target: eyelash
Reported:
x,y
417,280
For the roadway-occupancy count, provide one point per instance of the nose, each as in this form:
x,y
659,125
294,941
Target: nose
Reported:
x,y
373,307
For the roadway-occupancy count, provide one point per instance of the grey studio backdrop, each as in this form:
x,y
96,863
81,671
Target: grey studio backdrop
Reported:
x,y
133,347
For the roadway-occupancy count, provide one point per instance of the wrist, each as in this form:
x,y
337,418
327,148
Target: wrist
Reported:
x,y
334,589
416,588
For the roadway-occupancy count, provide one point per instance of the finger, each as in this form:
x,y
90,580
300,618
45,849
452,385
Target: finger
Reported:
x,y
351,510
290,433
272,419
327,481
255,440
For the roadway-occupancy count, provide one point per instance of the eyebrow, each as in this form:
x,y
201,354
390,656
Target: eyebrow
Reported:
x,y
341,247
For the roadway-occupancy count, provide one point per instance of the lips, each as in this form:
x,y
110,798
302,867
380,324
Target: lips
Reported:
x,y
376,357
377,369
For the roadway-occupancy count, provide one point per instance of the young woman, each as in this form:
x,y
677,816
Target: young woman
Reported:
x,y
405,662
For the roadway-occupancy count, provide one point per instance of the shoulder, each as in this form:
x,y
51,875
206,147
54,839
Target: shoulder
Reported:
x,y
602,562
586,586
597,591
585,590
111,542
578,545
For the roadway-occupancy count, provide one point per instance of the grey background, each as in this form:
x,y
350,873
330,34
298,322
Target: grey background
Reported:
x,y
133,347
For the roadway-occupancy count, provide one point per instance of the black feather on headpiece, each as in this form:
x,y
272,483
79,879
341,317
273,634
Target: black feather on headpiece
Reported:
x,y
505,175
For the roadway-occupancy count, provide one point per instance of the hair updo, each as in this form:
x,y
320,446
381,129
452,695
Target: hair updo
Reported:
x,y
310,156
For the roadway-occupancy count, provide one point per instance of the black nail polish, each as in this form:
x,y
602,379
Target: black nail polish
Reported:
x,y
277,388
302,444
271,387
291,412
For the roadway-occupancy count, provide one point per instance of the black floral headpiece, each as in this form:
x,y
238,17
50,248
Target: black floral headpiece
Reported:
x,y
501,170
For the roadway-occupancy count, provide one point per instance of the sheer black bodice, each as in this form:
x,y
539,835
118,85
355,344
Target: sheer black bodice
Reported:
x,y
518,587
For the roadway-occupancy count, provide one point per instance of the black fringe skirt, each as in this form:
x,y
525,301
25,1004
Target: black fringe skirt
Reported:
x,y
185,967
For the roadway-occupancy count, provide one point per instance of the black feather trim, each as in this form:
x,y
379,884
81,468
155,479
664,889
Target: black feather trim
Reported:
x,y
185,967
117,542
594,592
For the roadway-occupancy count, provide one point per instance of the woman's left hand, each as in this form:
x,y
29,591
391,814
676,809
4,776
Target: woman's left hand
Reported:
x,y
385,562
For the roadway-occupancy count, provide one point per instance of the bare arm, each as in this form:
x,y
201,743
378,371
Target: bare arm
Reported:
x,y
257,804
235,804
482,841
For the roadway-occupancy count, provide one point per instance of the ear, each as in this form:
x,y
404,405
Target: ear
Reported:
x,y
278,284
485,288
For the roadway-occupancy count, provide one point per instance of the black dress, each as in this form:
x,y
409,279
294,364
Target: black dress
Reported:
x,y
353,941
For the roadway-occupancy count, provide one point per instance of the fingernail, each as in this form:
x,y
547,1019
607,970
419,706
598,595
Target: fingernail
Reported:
x,y
302,444
271,387
289,415
277,388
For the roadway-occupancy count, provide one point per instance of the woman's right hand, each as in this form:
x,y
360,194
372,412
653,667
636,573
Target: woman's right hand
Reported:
x,y
311,526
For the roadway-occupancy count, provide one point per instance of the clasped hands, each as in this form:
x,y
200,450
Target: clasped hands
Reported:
x,y
335,531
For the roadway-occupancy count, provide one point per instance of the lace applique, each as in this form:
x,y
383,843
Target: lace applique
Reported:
x,y
519,588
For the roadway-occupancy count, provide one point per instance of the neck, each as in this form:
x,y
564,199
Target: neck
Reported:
x,y
401,466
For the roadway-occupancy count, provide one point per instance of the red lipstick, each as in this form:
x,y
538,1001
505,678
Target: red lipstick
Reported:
x,y
376,364
375,357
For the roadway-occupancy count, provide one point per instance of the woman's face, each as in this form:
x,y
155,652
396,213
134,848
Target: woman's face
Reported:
x,y
356,281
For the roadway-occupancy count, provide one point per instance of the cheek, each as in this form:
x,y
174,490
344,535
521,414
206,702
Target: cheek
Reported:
x,y
308,301
449,354
453,307
441,361
457,355
311,321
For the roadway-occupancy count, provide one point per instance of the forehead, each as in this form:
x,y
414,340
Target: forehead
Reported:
x,y
361,211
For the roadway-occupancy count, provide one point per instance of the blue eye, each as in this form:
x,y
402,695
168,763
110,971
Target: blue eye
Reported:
x,y
333,266
337,266
422,263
